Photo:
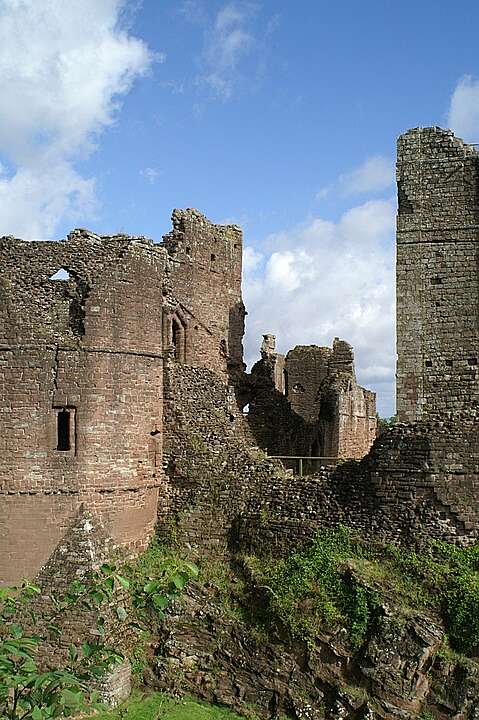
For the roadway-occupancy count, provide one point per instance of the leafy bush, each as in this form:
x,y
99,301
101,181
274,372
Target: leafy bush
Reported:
x,y
28,691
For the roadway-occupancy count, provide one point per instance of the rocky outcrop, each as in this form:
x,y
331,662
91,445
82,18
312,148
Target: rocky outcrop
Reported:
x,y
398,673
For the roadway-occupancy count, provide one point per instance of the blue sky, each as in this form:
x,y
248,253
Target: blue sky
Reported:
x,y
279,116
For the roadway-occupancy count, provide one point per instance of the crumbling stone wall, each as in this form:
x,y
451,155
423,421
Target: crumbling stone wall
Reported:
x,y
210,461
205,271
81,392
437,274
417,482
309,403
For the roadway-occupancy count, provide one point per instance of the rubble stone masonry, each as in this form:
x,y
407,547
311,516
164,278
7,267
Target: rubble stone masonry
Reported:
x,y
437,274
309,403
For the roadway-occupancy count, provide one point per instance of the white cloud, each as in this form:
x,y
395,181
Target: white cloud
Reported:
x,y
463,116
150,174
327,279
228,41
374,175
251,259
63,68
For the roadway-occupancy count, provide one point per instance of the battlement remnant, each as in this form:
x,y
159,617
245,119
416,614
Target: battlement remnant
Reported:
x,y
437,274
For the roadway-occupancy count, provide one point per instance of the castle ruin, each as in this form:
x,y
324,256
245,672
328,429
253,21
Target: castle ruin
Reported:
x,y
123,388
88,329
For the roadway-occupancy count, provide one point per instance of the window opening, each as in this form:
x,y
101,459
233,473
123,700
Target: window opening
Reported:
x,y
60,274
178,339
472,361
428,363
63,430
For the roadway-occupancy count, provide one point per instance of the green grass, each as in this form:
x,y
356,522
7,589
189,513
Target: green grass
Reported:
x,y
160,706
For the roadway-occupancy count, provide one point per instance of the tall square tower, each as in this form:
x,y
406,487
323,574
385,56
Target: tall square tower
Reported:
x,y
437,274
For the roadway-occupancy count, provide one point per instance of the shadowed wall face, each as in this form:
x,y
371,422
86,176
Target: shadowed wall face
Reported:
x,y
437,274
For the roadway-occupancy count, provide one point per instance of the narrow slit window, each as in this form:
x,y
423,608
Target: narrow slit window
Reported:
x,y
63,430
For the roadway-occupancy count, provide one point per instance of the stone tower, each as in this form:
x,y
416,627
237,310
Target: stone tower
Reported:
x,y
437,274
89,328
80,392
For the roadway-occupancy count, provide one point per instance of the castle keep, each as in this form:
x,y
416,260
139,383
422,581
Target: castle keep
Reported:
x,y
437,274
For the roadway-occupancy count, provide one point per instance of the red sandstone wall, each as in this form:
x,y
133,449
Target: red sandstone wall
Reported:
x,y
357,422
110,373
205,278
306,367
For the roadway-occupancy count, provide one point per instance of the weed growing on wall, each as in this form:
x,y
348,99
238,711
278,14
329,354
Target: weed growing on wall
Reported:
x,y
315,588
341,580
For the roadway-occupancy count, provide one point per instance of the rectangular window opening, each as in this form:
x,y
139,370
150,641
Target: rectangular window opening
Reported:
x,y
65,429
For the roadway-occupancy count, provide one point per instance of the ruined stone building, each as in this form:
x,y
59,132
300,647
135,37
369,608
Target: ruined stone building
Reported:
x,y
90,331
437,274
122,384
308,402
123,399
85,327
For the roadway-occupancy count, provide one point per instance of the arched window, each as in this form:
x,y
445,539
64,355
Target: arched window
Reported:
x,y
178,337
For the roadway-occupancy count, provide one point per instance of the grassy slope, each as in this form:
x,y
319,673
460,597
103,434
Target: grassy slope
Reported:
x,y
159,706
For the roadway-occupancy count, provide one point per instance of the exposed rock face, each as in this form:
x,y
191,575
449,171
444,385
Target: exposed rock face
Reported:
x,y
396,674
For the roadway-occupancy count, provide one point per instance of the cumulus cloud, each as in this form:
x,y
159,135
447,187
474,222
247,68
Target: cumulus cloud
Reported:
x,y
374,175
463,115
325,279
63,69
